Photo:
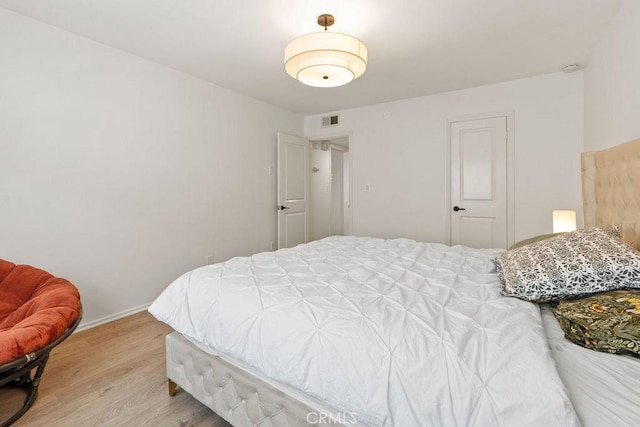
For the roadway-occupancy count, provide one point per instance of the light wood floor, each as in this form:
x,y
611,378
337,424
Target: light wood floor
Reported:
x,y
113,375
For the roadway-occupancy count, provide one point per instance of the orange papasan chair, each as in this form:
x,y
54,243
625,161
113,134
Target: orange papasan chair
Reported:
x,y
37,312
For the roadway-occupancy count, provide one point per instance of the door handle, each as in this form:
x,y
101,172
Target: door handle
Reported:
x,y
456,209
282,207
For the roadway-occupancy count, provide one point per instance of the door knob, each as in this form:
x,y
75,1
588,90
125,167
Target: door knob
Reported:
x,y
456,209
282,207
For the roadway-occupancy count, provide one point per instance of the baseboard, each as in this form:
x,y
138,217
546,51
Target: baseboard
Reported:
x,y
84,326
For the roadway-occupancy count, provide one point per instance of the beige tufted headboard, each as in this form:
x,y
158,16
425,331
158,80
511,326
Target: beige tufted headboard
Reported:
x,y
611,189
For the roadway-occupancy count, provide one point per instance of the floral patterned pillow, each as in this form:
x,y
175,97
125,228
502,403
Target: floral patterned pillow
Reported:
x,y
571,265
608,322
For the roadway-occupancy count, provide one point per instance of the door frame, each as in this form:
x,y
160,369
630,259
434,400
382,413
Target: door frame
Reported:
x,y
349,136
510,115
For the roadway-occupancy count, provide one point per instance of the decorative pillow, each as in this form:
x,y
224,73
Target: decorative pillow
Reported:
x,y
573,264
534,240
608,322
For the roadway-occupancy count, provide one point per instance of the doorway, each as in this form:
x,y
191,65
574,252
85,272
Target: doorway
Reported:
x,y
313,188
330,187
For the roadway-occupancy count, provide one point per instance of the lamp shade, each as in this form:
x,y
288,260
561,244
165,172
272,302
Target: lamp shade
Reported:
x,y
564,221
325,59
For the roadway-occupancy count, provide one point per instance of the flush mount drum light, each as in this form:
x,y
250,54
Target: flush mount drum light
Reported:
x,y
325,59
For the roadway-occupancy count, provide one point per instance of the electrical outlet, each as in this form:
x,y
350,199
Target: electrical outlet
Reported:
x,y
273,246
210,260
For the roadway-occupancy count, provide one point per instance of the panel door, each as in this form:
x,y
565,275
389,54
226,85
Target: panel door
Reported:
x,y
479,183
293,191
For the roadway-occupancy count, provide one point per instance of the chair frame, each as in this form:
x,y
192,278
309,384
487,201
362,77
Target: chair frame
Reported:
x,y
19,373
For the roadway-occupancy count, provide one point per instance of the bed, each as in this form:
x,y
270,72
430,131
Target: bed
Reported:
x,y
363,331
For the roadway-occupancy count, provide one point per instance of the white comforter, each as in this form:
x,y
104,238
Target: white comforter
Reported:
x,y
397,332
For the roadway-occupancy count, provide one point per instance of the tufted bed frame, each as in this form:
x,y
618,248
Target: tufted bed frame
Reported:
x,y
611,196
231,392
611,189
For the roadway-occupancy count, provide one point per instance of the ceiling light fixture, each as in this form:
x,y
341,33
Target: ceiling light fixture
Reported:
x,y
325,59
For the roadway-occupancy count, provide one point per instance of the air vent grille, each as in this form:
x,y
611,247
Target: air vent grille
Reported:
x,y
330,121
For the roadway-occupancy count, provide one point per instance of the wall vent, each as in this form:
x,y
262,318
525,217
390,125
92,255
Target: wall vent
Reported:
x,y
330,121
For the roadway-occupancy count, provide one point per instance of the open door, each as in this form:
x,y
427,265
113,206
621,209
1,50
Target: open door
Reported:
x,y
293,191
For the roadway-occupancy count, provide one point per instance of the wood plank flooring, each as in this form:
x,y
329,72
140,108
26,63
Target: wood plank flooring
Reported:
x,y
113,375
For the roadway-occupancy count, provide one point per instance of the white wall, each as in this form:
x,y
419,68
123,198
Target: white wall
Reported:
x,y
120,174
403,159
612,82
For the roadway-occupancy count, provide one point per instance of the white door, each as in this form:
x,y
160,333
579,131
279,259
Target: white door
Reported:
x,y
479,183
293,190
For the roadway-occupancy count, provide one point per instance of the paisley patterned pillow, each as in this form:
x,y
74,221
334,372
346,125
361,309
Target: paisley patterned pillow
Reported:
x,y
608,322
573,264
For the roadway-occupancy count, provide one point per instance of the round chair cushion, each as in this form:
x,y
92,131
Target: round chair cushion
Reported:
x,y
35,309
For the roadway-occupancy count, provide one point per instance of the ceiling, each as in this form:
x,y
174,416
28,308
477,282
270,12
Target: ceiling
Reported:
x,y
416,47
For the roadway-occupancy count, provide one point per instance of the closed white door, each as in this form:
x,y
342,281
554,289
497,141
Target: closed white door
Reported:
x,y
293,191
479,183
